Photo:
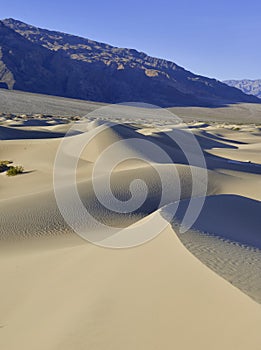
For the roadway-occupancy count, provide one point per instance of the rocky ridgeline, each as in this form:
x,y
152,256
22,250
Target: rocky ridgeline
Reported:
x,y
252,87
38,60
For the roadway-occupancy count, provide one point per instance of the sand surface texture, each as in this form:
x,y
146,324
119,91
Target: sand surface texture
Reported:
x,y
195,290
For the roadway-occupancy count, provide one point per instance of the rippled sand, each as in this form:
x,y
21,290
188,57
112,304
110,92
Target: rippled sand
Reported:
x,y
195,290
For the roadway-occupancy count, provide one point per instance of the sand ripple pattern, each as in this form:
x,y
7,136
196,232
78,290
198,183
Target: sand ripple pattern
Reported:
x,y
113,148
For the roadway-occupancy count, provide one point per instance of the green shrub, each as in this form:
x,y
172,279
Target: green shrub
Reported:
x,y
14,170
4,165
5,162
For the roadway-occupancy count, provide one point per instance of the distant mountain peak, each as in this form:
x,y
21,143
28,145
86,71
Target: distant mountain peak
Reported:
x,y
248,86
52,62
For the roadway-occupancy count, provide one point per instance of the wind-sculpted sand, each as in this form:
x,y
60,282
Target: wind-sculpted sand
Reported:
x,y
169,288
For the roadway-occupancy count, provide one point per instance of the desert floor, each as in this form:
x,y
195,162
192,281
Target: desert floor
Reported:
x,y
199,289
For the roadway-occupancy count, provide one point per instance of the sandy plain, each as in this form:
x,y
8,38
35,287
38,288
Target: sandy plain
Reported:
x,y
197,289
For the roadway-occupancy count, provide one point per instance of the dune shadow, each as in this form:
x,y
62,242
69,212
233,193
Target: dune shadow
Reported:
x,y
7,133
222,139
166,141
205,141
231,217
38,123
226,237
214,162
28,171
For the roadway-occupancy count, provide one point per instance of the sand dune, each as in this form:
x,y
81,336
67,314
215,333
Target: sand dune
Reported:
x,y
106,299
45,218
13,134
231,217
59,291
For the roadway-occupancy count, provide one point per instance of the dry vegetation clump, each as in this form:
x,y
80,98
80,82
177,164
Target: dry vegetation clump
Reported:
x,y
4,165
14,170
10,169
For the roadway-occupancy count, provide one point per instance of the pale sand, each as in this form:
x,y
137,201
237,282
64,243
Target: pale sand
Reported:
x,y
60,292
154,296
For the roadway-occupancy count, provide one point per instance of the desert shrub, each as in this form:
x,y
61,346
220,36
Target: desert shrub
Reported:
x,y
5,162
14,170
4,165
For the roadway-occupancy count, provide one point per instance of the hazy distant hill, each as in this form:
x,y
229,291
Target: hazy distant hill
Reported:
x,y
252,87
43,61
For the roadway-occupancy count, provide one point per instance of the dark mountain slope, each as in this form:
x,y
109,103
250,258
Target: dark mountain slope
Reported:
x,y
39,60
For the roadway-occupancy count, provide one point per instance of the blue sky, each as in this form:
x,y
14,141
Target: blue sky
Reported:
x,y
219,39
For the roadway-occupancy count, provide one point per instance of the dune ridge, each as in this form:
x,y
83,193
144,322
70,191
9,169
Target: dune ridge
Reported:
x,y
177,290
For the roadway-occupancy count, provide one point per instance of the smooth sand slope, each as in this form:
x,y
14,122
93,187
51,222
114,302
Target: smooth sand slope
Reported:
x,y
154,296
193,290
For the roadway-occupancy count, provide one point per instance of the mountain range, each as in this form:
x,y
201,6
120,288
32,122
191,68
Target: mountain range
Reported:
x,y
252,87
50,62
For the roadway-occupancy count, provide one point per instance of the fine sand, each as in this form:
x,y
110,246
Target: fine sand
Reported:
x,y
199,289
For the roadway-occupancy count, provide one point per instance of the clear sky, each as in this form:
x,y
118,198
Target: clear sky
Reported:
x,y
219,39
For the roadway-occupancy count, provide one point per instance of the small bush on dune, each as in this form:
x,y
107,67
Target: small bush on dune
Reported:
x,y
5,162
4,165
10,170
14,170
